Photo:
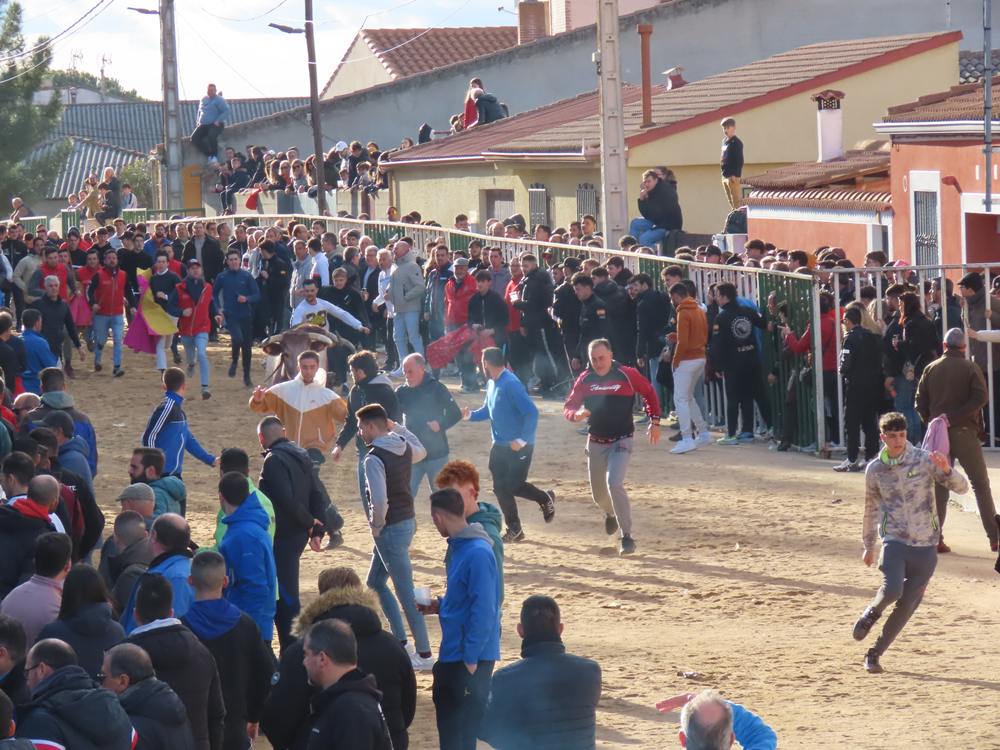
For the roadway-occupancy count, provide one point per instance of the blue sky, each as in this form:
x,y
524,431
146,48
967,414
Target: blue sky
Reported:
x,y
218,42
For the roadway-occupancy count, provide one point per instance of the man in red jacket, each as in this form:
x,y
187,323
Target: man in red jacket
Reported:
x,y
458,290
106,293
191,301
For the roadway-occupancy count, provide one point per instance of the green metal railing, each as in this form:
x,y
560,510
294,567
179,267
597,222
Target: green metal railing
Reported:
x,y
31,223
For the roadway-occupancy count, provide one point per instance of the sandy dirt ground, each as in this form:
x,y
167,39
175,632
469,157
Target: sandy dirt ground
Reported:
x,y
748,575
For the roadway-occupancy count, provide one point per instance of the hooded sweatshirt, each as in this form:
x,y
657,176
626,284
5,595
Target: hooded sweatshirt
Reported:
x,y
347,716
170,494
469,615
265,503
158,716
489,517
692,331
175,567
311,413
244,661
63,401
376,390
406,285
387,477
68,710
249,555
73,455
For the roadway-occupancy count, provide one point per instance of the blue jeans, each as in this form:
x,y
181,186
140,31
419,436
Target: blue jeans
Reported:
x,y
101,325
195,345
646,232
430,468
903,403
391,559
407,326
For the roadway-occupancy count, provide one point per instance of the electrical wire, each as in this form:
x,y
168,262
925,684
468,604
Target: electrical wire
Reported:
x,y
243,20
65,33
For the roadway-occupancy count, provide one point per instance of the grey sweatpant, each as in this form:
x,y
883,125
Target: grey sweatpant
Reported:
x,y
607,464
907,571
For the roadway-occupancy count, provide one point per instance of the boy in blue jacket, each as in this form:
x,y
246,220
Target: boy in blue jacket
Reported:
x,y
249,555
168,429
470,624
39,355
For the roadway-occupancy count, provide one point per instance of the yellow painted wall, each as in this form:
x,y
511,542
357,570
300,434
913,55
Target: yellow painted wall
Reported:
x,y
775,134
784,132
361,70
191,186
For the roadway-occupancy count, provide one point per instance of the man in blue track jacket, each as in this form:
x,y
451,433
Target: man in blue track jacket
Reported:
x,y
168,430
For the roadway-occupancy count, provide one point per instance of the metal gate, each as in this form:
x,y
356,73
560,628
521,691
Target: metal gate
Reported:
x,y
925,227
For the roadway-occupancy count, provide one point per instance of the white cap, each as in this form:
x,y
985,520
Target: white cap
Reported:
x,y
341,146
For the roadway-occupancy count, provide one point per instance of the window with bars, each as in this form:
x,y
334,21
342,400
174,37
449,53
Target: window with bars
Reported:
x,y
586,200
538,205
925,227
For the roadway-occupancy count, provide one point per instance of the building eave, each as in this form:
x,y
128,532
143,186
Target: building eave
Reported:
x,y
949,127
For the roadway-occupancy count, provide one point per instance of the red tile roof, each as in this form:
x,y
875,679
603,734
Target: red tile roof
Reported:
x,y
842,200
852,166
406,52
572,126
959,103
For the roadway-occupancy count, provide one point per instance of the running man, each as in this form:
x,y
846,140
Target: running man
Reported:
x,y
603,395
900,507
513,420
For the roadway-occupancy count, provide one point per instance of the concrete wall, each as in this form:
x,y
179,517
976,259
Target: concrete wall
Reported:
x,y
808,235
360,70
703,36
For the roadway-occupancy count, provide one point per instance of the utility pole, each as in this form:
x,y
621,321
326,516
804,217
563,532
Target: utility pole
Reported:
x,y
314,112
171,191
102,86
988,100
614,175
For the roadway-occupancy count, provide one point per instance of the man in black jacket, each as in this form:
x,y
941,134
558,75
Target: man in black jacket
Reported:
x,y
275,278
347,714
593,323
22,520
66,709
660,209
487,309
653,312
157,714
180,660
734,351
566,308
206,250
346,297
342,597
549,698
731,163
534,298
244,660
621,314
429,411
288,480
56,317
861,368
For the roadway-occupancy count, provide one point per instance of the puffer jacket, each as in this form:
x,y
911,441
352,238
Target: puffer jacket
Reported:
x,y
170,494
286,715
899,498
158,716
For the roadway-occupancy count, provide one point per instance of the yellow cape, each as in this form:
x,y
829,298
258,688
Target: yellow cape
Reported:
x,y
157,319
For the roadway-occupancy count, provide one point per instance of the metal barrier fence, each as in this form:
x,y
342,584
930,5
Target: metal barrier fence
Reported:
x,y
845,284
31,223
795,395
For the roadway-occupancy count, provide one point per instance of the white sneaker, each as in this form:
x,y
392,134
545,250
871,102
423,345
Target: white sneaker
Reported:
x,y
422,664
684,446
704,438
846,465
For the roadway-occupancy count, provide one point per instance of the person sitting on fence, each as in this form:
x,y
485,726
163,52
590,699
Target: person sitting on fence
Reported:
x,y
213,113
660,209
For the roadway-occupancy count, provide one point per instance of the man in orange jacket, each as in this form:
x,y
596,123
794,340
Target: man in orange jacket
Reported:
x,y
689,368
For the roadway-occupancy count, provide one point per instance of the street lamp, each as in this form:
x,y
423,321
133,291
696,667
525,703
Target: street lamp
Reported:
x,y
313,102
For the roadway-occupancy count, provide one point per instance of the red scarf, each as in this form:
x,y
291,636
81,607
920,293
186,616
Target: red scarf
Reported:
x,y
30,509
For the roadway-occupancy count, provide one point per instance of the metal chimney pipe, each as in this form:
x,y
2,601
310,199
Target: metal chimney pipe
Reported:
x,y
645,32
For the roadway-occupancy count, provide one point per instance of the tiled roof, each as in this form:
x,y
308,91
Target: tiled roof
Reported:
x,y
841,200
407,52
959,103
492,137
851,166
561,128
970,65
139,125
85,157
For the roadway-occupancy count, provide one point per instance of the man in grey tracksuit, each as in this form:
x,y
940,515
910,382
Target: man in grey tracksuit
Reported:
x,y
900,508
406,293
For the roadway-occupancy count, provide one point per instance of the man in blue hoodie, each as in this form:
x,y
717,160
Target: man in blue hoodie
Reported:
x,y
168,429
73,450
36,348
513,419
470,624
248,552
55,397
170,543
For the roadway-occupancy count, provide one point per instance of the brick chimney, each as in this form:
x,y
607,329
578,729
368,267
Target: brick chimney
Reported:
x,y
829,124
532,21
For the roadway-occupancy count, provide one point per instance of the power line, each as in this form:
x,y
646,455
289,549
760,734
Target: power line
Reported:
x,y
71,29
243,20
